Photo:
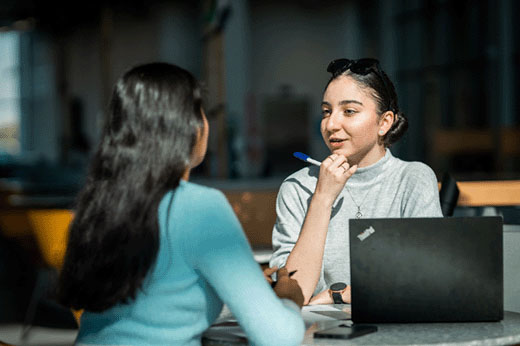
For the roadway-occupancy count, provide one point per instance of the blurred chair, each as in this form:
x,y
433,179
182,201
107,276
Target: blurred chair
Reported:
x,y
17,264
449,195
50,230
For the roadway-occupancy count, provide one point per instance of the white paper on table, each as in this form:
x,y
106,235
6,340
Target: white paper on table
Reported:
x,y
323,313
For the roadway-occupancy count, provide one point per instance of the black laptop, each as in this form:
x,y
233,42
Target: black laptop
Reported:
x,y
427,269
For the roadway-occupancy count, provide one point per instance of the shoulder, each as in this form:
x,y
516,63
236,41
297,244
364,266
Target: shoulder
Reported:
x,y
420,190
308,173
419,170
301,181
415,173
202,208
193,199
199,194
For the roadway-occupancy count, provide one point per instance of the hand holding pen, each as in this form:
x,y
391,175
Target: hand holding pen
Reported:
x,y
270,271
334,173
340,160
273,283
285,287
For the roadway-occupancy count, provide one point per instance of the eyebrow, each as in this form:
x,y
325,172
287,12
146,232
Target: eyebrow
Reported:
x,y
342,103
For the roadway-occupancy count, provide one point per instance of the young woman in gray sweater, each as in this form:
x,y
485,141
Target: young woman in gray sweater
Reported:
x,y
360,178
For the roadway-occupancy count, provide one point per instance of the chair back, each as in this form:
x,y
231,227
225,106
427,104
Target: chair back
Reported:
x,y
51,229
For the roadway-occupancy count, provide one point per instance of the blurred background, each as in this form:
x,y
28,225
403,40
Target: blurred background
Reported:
x,y
455,64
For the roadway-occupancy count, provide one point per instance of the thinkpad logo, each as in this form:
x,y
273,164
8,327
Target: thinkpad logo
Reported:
x,y
366,233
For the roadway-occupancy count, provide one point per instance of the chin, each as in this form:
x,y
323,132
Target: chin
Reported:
x,y
341,151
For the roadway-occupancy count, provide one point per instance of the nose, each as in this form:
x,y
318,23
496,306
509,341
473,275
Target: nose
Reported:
x,y
333,122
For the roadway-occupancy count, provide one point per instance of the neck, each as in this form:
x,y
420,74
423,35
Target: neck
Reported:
x,y
186,174
368,158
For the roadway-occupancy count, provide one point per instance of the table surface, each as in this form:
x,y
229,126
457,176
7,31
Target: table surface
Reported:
x,y
505,332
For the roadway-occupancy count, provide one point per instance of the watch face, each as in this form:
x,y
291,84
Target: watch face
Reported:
x,y
338,286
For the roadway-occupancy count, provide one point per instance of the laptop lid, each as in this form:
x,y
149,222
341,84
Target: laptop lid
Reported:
x,y
426,269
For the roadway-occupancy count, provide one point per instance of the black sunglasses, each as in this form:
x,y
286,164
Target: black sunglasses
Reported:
x,y
362,67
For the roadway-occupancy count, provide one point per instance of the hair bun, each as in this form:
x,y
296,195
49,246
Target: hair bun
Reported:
x,y
397,130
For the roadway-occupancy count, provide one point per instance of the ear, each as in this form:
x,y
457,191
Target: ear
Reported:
x,y
198,135
201,143
385,122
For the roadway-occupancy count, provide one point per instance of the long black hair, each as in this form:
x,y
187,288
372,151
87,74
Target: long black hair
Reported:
x,y
146,146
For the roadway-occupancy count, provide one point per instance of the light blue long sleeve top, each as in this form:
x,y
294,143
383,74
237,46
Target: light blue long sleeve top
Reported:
x,y
204,260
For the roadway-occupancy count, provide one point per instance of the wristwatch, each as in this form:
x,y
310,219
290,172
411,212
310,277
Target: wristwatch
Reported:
x,y
335,290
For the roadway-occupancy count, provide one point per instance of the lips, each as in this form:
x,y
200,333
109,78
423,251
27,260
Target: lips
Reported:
x,y
336,142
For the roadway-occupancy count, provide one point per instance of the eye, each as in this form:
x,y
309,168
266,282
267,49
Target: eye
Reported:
x,y
325,112
350,111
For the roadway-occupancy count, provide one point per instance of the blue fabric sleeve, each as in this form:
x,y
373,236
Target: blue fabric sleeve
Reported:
x,y
221,253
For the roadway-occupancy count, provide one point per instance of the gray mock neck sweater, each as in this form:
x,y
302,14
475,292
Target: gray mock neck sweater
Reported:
x,y
389,188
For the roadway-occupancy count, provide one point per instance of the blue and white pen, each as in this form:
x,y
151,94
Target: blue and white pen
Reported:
x,y
306,158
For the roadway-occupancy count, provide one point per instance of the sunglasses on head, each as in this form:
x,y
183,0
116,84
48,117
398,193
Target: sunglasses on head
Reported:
x,y
362,67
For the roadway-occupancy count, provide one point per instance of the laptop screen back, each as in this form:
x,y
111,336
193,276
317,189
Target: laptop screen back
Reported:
x,y
426,269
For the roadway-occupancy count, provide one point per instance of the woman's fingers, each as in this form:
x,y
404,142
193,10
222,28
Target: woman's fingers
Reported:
x,y
334,173
329,160
337,160
282,272
323,297
351,170
348,169
345,166
268,272
288,288
338,165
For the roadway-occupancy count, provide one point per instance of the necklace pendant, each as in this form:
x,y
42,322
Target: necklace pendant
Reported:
x,y
358,214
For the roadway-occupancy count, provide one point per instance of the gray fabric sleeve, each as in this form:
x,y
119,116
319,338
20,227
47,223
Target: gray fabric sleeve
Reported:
x,y
422,193
290,215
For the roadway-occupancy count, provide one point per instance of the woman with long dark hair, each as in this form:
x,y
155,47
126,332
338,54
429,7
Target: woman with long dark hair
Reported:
x,y
151,257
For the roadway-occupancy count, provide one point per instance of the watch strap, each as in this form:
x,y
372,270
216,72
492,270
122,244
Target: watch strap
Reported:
x,y
336,297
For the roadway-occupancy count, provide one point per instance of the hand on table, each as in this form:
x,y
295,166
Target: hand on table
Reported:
x,y
324,297
285,287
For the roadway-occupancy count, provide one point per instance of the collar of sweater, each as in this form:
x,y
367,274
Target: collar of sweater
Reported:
x,y
374,173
